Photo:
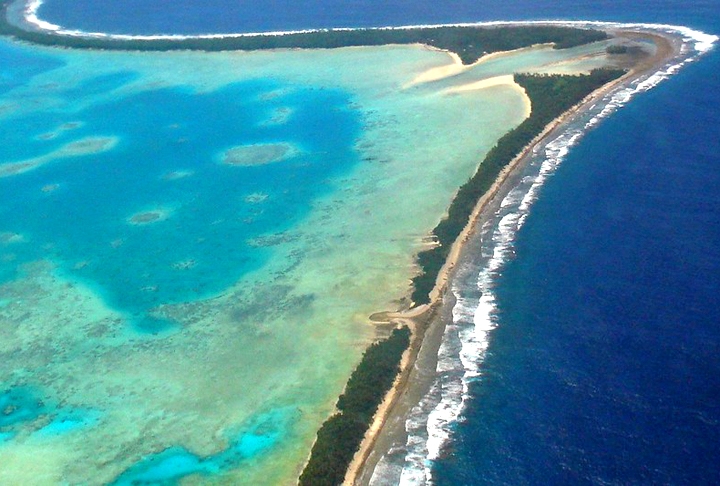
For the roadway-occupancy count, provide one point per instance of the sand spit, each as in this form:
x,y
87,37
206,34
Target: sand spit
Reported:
x,y
457,67
429,319
504,80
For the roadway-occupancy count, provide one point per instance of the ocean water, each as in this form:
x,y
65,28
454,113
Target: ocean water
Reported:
x,y
222,16
598,362
602,366
598,324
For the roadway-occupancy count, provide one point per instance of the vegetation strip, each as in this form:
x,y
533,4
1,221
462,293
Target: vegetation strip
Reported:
x,y
340,436
550,96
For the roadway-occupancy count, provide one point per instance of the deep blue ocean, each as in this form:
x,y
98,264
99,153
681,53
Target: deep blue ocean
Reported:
x,y
605,364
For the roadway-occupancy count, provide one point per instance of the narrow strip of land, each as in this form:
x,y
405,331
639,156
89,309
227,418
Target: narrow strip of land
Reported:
x,y
387,429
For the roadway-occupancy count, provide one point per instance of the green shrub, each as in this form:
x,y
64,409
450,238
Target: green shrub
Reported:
x,y
340,436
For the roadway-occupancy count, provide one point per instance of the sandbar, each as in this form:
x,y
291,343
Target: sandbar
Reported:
x,y
87,146
504,80
441,72
176,174
15,168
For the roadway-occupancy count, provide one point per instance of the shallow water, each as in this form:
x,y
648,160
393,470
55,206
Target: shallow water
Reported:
x,y
168,315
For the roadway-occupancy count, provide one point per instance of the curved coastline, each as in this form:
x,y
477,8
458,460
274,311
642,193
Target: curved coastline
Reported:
x,y
425,318
677,46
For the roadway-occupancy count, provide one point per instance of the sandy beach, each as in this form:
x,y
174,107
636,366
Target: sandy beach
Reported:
x,y
428,321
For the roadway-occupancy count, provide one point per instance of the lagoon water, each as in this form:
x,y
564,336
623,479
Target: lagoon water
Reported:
x,y
191,245
165,313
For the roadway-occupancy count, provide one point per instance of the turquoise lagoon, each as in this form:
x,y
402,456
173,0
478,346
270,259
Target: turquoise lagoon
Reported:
x,y
191,243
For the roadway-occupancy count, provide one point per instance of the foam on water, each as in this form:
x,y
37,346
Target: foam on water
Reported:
x,y
431,423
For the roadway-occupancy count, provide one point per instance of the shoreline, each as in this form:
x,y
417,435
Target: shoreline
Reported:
x,y
30,19
19,17
412,382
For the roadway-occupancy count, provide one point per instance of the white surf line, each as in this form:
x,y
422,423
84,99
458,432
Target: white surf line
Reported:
x,y
429,432
702,40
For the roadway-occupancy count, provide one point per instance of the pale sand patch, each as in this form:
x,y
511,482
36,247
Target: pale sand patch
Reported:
x,y
485,83
8,237
59,130
87,146
177,174
258,154
15,168
47,136
50,187
83,146
70,125
255,198
504,80
440,72
280,116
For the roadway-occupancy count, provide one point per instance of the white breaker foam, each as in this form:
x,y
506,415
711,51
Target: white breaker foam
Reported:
x,y
465,342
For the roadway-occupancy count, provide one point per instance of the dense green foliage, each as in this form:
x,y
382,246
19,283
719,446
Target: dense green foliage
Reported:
x,y
340,436
470,43
550,96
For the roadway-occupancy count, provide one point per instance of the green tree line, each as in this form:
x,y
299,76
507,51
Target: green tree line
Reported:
x,y
470,43
550,96
340,436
